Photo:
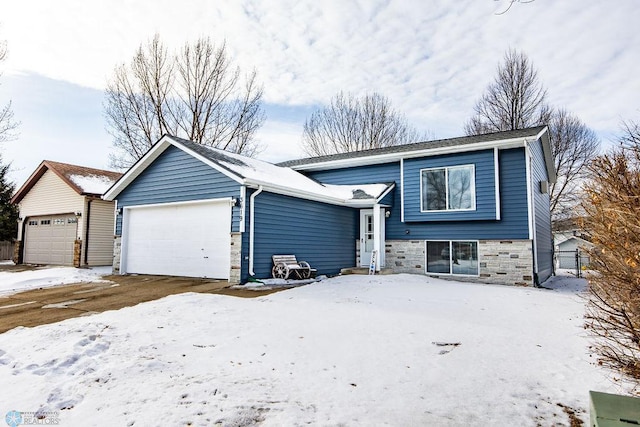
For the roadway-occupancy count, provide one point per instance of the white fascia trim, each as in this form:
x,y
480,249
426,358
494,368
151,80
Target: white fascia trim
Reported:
x,y
287,191
203,159
186,202
384,193
543,136
135,170
496,177
300,194
527,167
151,155
389,157
402,190
115,218
243,208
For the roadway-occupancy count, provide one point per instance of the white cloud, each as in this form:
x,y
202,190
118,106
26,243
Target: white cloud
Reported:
x,y
433,59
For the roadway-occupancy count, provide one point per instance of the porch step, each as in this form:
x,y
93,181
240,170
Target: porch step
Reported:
x,y
364,270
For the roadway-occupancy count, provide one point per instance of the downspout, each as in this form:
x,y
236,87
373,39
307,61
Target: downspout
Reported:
x,y
252,219
86,232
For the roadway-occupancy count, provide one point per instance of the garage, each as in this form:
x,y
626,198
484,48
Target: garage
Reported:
x,y
50,239
178,239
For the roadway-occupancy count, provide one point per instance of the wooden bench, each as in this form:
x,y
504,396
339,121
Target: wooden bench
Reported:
x,y
284,265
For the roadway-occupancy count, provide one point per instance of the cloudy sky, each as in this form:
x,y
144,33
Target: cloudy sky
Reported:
x,y
432,58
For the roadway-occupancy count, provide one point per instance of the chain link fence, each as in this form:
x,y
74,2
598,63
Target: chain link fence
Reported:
x,y
576,260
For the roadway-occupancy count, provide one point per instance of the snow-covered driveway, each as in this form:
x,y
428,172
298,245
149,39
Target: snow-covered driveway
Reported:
x,y
355,350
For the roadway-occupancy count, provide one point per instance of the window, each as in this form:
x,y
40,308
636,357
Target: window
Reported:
x,y
45,222
452,257
59,221
448,189
33,222
72,220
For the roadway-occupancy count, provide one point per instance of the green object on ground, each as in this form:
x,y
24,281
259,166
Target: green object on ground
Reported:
x,y
613,410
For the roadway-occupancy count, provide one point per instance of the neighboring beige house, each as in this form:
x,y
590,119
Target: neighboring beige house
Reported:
x,y
62,219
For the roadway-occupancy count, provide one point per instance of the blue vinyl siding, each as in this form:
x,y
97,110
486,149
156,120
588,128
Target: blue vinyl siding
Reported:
x,y
513,200
176,176
514,217
321,234
485,199
514,223
373,174
541,203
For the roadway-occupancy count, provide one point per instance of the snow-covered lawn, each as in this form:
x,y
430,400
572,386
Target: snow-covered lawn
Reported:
x,y
12,282
397,350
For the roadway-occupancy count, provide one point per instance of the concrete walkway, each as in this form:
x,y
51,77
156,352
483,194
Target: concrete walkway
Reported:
x,y
49,305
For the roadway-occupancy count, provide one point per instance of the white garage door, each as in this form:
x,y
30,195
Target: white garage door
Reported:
x,y
191,239
49,239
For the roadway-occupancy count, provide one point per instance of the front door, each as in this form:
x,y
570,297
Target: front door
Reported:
x,y
366,236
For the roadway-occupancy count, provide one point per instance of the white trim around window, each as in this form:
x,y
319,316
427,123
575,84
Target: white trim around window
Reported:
x,y
447,170
465,258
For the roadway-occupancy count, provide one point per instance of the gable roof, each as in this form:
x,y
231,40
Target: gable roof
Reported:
x,y
506,139
257,173
83,180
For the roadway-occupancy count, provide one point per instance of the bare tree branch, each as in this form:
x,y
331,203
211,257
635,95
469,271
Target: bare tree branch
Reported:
x,y
573,146
7,124
196,93
510,4
352,124
515,100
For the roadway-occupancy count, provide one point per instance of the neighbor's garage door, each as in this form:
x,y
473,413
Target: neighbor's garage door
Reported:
x,y
178,240
49,239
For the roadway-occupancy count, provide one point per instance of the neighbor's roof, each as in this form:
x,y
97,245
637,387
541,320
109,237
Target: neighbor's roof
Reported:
x,y
256,173
83,180
441,146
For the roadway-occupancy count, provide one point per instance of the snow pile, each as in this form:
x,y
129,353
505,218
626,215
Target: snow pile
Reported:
x,y
354,350
92,184
12,282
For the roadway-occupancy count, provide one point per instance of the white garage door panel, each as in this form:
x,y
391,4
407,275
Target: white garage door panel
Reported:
x,y
179,240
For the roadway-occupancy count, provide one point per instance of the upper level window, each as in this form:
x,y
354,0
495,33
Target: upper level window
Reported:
x,y
448,189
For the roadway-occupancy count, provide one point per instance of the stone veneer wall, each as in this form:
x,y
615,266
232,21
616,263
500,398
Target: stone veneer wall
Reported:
x,y
504,262
77,253
236,258
405,256
117,251
17,252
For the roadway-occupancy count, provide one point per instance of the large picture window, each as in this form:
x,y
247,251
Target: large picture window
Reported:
x,y
448,189
452,257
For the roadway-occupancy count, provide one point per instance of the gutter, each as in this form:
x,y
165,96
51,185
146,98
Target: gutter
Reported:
x,y
252,220
301,194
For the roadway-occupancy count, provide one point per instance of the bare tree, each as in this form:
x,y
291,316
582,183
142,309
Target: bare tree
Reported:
x,y
353,124
195,93
573,146
510,4
515,100
7,124
613,220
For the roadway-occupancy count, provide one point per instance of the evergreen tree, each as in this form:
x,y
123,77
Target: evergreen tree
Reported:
x,y
8,211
